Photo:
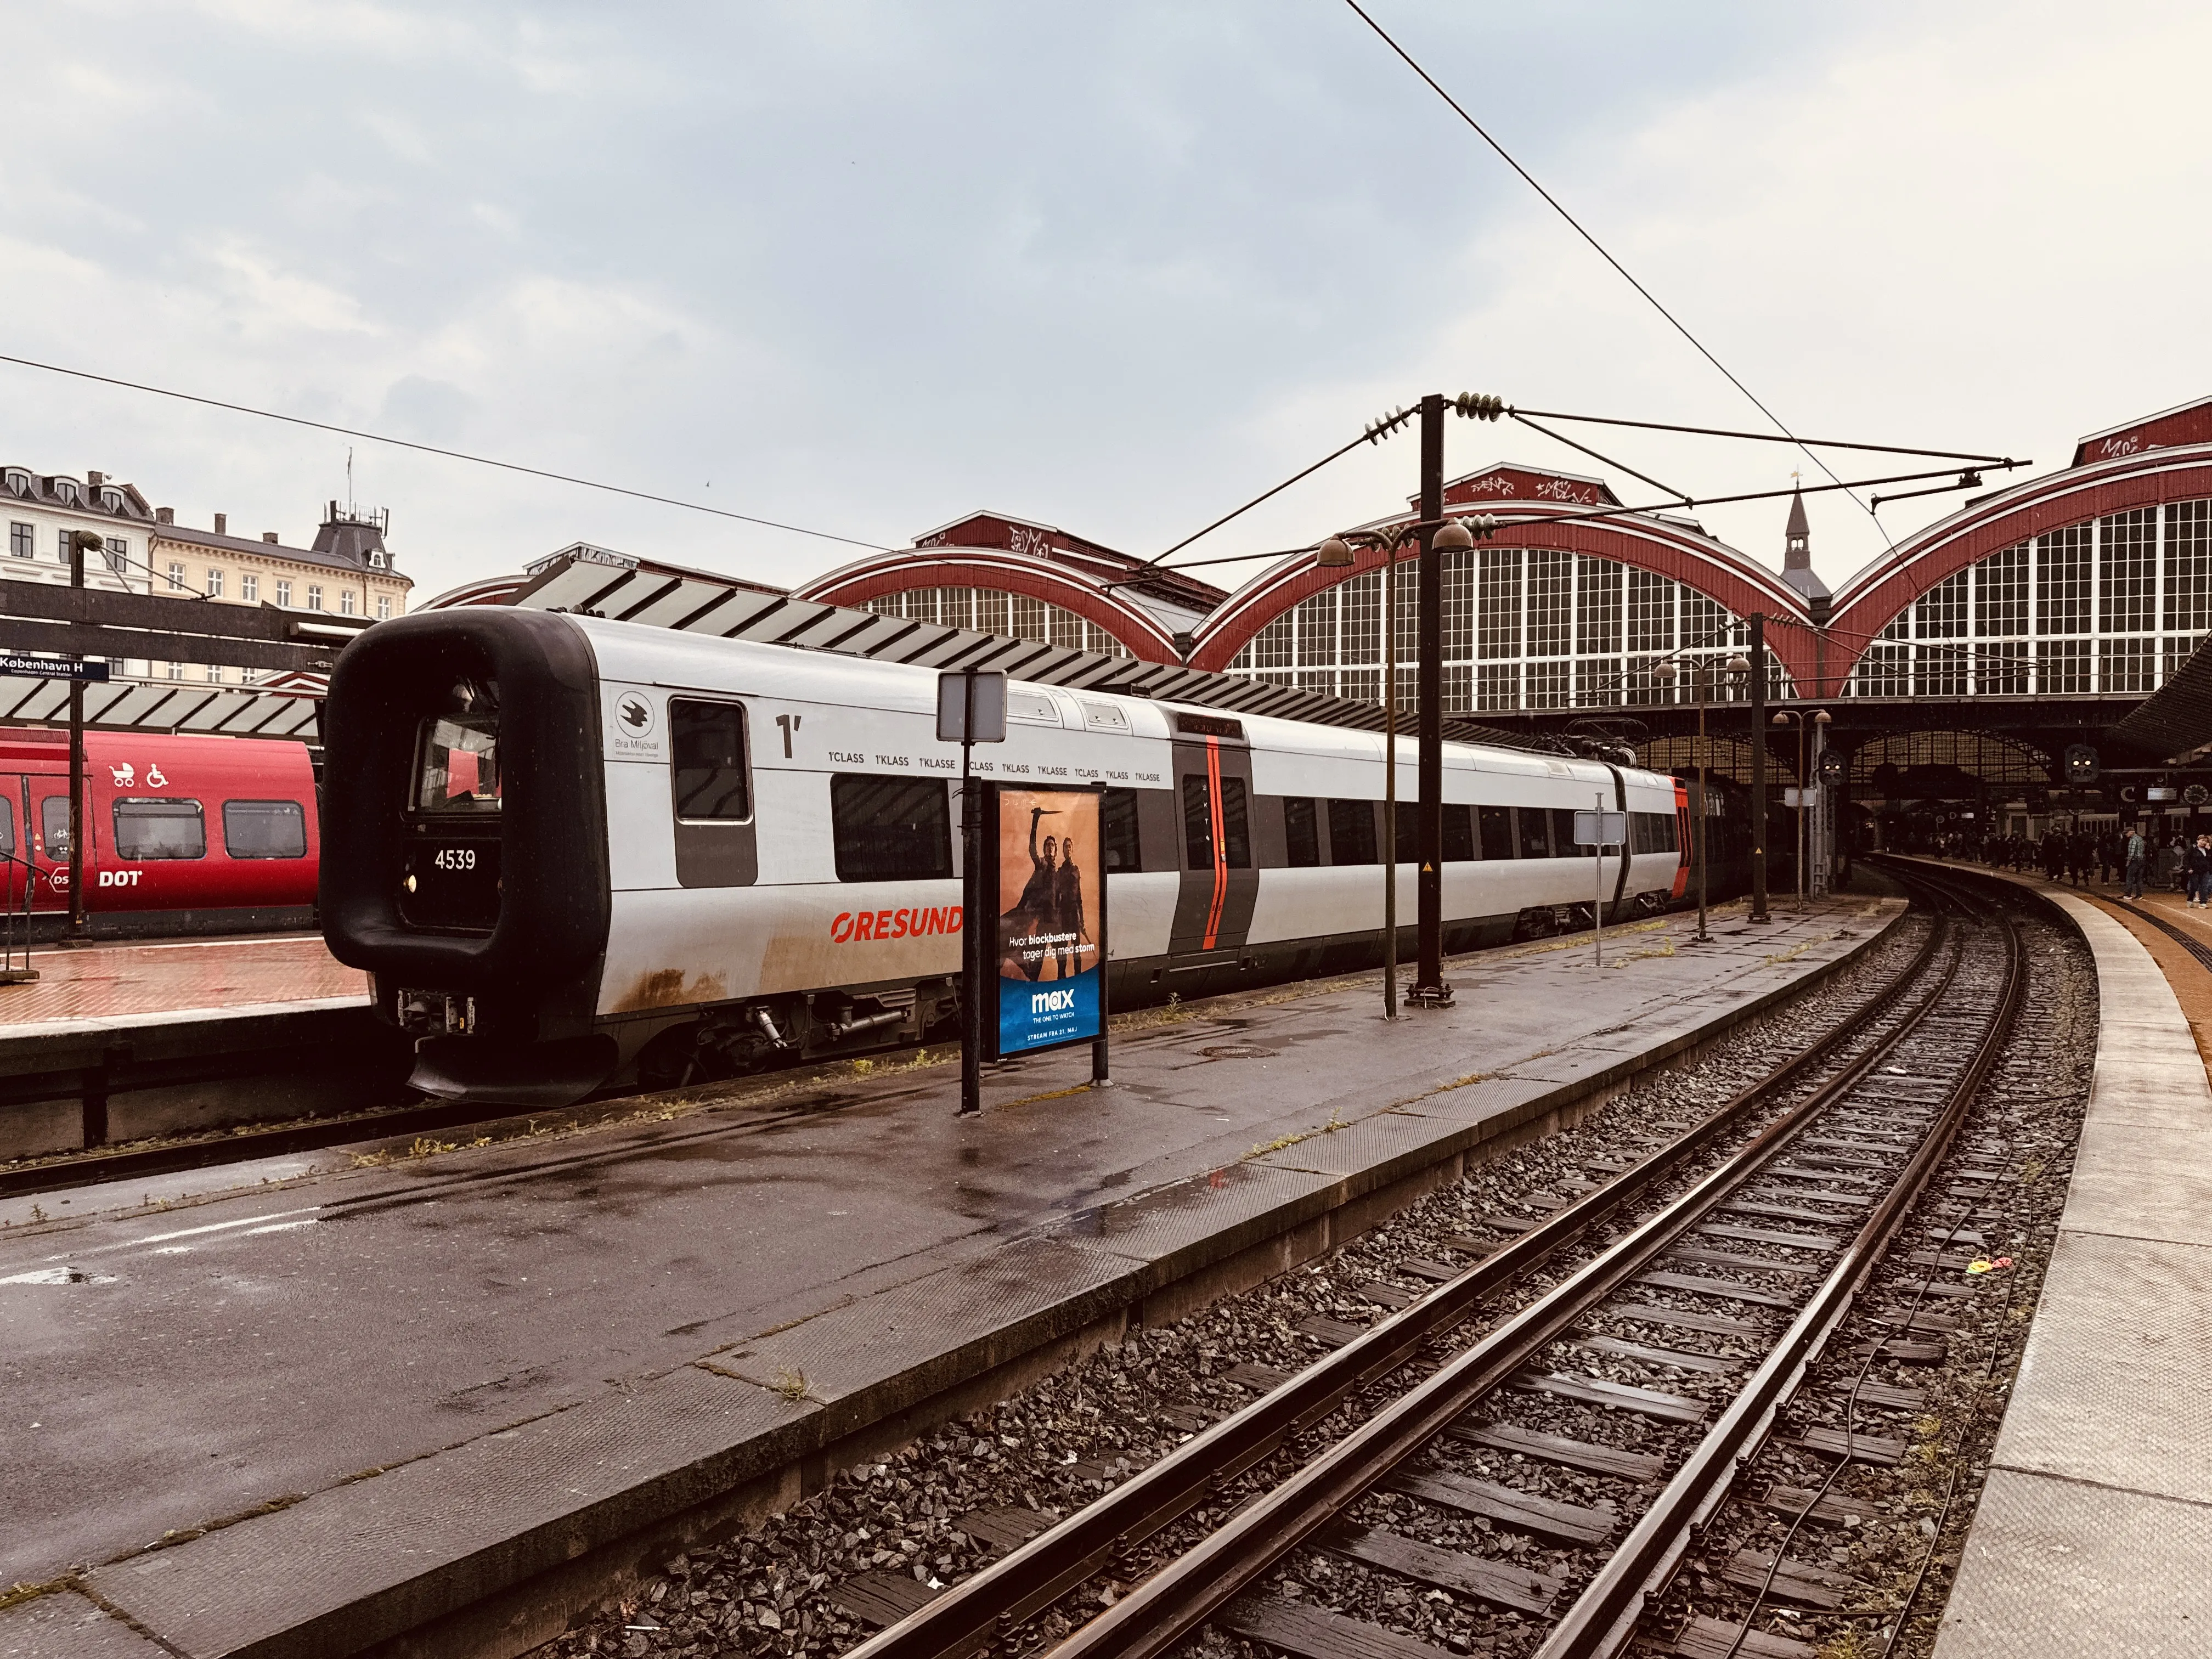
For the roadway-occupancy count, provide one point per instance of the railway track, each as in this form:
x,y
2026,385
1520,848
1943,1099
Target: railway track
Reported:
x,y
1710,1270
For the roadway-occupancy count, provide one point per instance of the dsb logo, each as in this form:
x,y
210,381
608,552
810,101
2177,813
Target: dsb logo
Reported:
x,y
1051,1002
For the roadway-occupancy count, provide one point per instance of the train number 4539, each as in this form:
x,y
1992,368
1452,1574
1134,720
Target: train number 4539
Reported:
x,y
454,857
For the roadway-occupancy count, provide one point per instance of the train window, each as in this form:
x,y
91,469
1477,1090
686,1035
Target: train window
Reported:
x,y
1409,821
1117,827
1197,823
1301,832
53,827
1651,832
458,771
890,829
1459,834
1536,832
148,830
1563,834
1351,837
264,830
706,744
1495,823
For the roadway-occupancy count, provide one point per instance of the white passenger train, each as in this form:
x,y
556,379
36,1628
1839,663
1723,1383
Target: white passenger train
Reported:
x,y
570,849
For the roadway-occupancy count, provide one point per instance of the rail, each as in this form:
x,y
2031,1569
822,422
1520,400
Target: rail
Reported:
x,y
989,1610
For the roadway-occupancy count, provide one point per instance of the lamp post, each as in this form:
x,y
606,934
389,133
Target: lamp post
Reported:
x,y
81,542
1801,719
1758,826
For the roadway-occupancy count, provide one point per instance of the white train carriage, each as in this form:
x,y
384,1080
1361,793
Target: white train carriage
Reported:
x,y
570,849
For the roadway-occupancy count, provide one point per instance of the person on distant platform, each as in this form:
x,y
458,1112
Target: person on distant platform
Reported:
x,y
2196,871
2138,858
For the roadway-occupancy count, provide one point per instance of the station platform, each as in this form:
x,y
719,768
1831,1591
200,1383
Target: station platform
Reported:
x,y
2094,1535
123,1040
446,1402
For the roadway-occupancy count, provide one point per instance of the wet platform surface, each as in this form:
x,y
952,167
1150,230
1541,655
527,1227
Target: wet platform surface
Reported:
x,y
2094,1536
209,978
458,1371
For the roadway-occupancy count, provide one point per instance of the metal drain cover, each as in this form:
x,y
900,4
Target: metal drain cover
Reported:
x,y
1238,1051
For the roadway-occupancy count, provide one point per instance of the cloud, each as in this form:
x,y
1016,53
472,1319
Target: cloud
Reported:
x,y
863,267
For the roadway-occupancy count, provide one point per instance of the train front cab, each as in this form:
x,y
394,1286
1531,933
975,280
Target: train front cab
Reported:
x,y
465,840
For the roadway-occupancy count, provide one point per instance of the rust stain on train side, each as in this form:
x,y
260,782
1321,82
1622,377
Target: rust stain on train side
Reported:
x,y
665,987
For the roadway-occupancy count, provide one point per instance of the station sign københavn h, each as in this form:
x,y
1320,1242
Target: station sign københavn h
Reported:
x,y
14,665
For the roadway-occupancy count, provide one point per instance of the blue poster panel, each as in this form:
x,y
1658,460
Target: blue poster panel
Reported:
x,y
1052,920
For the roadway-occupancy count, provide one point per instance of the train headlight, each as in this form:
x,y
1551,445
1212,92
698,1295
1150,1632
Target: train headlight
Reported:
x,y
409,884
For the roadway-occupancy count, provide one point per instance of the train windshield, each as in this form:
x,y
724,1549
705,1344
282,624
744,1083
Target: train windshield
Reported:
x,y
458,771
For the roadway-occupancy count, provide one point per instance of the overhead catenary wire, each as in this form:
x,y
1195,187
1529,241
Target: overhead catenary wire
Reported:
x,y
1558,208
435,449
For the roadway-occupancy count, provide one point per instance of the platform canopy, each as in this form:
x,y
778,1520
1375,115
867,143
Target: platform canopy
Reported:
x,y
699,602
137,706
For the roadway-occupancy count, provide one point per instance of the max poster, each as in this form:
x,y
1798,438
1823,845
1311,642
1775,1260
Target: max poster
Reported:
x,y
1052,920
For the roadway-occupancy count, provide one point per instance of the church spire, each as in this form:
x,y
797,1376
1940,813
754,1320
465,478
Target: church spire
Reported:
x,y
1797,535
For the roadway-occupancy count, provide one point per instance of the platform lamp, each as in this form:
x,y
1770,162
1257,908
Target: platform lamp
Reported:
x,y
80,541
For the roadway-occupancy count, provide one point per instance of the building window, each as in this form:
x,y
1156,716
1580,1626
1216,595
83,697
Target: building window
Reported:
x,y
1943,668
176,577
376,561
118,554
2001,594
314,596
346,607
22,540
2062,666
2061,582
1885,672
2001,669
284,594
383,607
214,583
249,588
62,544
1547,685
1497,685
1551,607
1360,620
1940,613
1597,606
2127,572
1650,612
1498,608
175,670
2188,571
2126,664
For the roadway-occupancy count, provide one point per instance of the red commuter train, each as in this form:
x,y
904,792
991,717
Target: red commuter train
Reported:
x,y
183,834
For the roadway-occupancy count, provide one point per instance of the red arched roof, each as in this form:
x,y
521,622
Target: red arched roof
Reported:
x,y
1872,599
902,572
1697,561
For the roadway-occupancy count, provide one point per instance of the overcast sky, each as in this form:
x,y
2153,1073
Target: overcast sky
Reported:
x,y
866,267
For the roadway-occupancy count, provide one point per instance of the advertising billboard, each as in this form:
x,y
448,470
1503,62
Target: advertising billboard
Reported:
x,y
1048,878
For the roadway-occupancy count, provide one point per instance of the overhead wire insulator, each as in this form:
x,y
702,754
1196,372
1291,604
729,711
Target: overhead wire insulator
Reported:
x,y
1383,426
1479,406
1482,525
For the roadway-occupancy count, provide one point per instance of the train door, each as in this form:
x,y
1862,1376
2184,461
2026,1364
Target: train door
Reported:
x,y
1214,799
49,818
16,867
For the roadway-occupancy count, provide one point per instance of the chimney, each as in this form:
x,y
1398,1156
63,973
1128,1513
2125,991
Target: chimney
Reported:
x,y
94,480
268,535
222,524
165,515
